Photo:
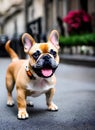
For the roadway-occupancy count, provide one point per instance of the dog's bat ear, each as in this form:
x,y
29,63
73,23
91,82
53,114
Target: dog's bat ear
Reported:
x,y
27,41
54,38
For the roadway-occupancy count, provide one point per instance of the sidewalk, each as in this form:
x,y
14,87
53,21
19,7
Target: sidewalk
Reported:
x,y
75,97
78,59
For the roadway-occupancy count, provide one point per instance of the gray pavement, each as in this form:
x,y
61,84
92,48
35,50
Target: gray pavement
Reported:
x,y
75,97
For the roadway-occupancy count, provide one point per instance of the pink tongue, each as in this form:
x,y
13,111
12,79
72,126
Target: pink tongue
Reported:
x,y
46,72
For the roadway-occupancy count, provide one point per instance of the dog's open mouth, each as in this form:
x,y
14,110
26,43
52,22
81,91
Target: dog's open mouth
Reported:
x,y
44,72
47,72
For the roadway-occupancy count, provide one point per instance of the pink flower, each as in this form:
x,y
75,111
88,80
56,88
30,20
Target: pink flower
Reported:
x,y
75,25
77,19
86,18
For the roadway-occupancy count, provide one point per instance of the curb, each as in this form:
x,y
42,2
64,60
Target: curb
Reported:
x,y
82,60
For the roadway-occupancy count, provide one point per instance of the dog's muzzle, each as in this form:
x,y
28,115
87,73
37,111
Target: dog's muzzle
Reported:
x,y
45,66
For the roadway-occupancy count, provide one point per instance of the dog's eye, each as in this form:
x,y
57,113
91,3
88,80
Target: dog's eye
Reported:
x,y
52,52
36,54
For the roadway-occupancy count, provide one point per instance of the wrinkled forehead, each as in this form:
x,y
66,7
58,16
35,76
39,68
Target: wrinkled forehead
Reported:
x,y
43,47
46,47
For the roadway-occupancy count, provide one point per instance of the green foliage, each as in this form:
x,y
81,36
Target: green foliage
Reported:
x,y
86,39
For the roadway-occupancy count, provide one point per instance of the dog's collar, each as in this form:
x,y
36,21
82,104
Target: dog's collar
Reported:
x,y
30,75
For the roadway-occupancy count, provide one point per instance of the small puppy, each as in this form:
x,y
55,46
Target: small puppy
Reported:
x,y
33,76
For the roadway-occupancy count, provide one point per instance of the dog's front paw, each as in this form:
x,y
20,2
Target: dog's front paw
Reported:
x,y
22,114
10,103
52,107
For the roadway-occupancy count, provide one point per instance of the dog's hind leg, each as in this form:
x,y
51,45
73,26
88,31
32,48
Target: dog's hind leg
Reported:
x,y
9,86
29,102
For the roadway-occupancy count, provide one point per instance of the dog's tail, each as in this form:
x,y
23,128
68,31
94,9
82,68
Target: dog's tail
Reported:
x,y
10,51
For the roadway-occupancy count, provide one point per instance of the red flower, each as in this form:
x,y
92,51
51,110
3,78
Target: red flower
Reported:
x,y
77,19
86,18
75,25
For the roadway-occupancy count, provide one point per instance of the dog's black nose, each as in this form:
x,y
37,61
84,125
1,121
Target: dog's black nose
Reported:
x,y
46,57
47,61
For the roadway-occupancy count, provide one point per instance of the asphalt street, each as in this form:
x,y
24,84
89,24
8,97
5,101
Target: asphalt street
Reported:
x,y
75,97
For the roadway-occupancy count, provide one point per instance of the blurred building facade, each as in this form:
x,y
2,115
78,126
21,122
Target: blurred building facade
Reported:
x,y
15,15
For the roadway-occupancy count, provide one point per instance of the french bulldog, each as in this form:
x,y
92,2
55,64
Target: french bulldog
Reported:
x,y
35,75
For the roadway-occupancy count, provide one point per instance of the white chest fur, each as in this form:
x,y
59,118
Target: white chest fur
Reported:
x,y
37,87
